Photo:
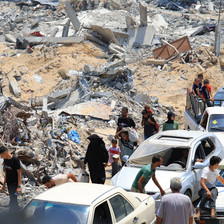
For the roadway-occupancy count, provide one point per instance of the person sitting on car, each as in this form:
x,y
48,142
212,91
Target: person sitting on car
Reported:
x,y
209,192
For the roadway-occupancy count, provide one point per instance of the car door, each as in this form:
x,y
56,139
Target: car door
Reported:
x,y
124,212
194,178
204,150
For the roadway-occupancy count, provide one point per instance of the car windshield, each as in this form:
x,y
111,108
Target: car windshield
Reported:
x,y
41,212
216,123
219,97
174,158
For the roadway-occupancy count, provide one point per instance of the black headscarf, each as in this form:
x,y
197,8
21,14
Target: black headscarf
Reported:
x,y
169,115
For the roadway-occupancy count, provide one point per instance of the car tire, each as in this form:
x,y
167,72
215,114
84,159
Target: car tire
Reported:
x,y
188,193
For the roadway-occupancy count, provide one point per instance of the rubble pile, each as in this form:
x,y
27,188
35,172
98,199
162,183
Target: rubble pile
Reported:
x,y
68,67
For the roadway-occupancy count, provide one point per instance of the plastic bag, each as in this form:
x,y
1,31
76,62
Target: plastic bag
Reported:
x,y
133,134
83,176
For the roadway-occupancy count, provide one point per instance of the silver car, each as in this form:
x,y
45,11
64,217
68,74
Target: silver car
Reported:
x,y
171,145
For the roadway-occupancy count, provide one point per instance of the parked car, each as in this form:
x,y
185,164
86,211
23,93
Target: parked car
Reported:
x,y
205,215
84,203
219,97
170,145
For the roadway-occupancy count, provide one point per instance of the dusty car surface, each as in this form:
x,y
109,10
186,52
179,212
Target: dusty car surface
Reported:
x,y
170,145
84,203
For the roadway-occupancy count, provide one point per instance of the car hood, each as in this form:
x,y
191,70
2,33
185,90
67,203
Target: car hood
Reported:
x,y
126,176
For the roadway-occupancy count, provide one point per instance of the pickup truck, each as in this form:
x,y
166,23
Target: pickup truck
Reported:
x,y
199,117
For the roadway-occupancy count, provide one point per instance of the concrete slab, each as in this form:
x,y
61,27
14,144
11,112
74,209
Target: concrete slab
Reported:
x,y
14,87
107,35
159,22
72,15
143,14
141,35
10,38
66,29
92,109
53,40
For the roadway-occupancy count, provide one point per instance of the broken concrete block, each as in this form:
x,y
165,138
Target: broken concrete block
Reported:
x,y
72,15
53,40
113,104
143,14
107,35
115,5
152,61
35,23
141,35
159,22
95,40
10,38
116,49
14,87
66,29
200,69
131,23
63,74
142,98
54,32
119,85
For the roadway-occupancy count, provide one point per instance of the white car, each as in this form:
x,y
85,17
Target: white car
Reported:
x,y
84,203
170,145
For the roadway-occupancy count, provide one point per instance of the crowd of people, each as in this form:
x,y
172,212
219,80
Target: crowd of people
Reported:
x,y
98,157
202,89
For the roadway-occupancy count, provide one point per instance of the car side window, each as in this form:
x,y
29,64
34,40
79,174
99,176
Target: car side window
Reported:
x,y
121,207
102,214
200,154
208,146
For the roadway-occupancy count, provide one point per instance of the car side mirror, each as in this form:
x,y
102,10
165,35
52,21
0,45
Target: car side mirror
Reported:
x,y
199,165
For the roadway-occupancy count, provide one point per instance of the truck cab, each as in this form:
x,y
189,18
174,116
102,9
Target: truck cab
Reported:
x,y
199,117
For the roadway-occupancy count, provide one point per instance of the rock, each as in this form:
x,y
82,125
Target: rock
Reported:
x,y
63,74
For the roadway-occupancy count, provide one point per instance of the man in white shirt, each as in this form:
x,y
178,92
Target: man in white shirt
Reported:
x,y
209,191
57,180
175,208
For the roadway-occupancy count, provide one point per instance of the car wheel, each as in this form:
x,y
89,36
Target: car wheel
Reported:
x,y
188,193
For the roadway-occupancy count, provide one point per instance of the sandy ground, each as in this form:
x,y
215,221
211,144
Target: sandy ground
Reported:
x,y
46,65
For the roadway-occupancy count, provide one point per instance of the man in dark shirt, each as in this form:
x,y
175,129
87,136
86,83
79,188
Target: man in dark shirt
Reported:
x,y
12,177
149,124
125,121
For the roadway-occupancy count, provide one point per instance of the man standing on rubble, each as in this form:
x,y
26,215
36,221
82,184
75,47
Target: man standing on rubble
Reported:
x,y
13,177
